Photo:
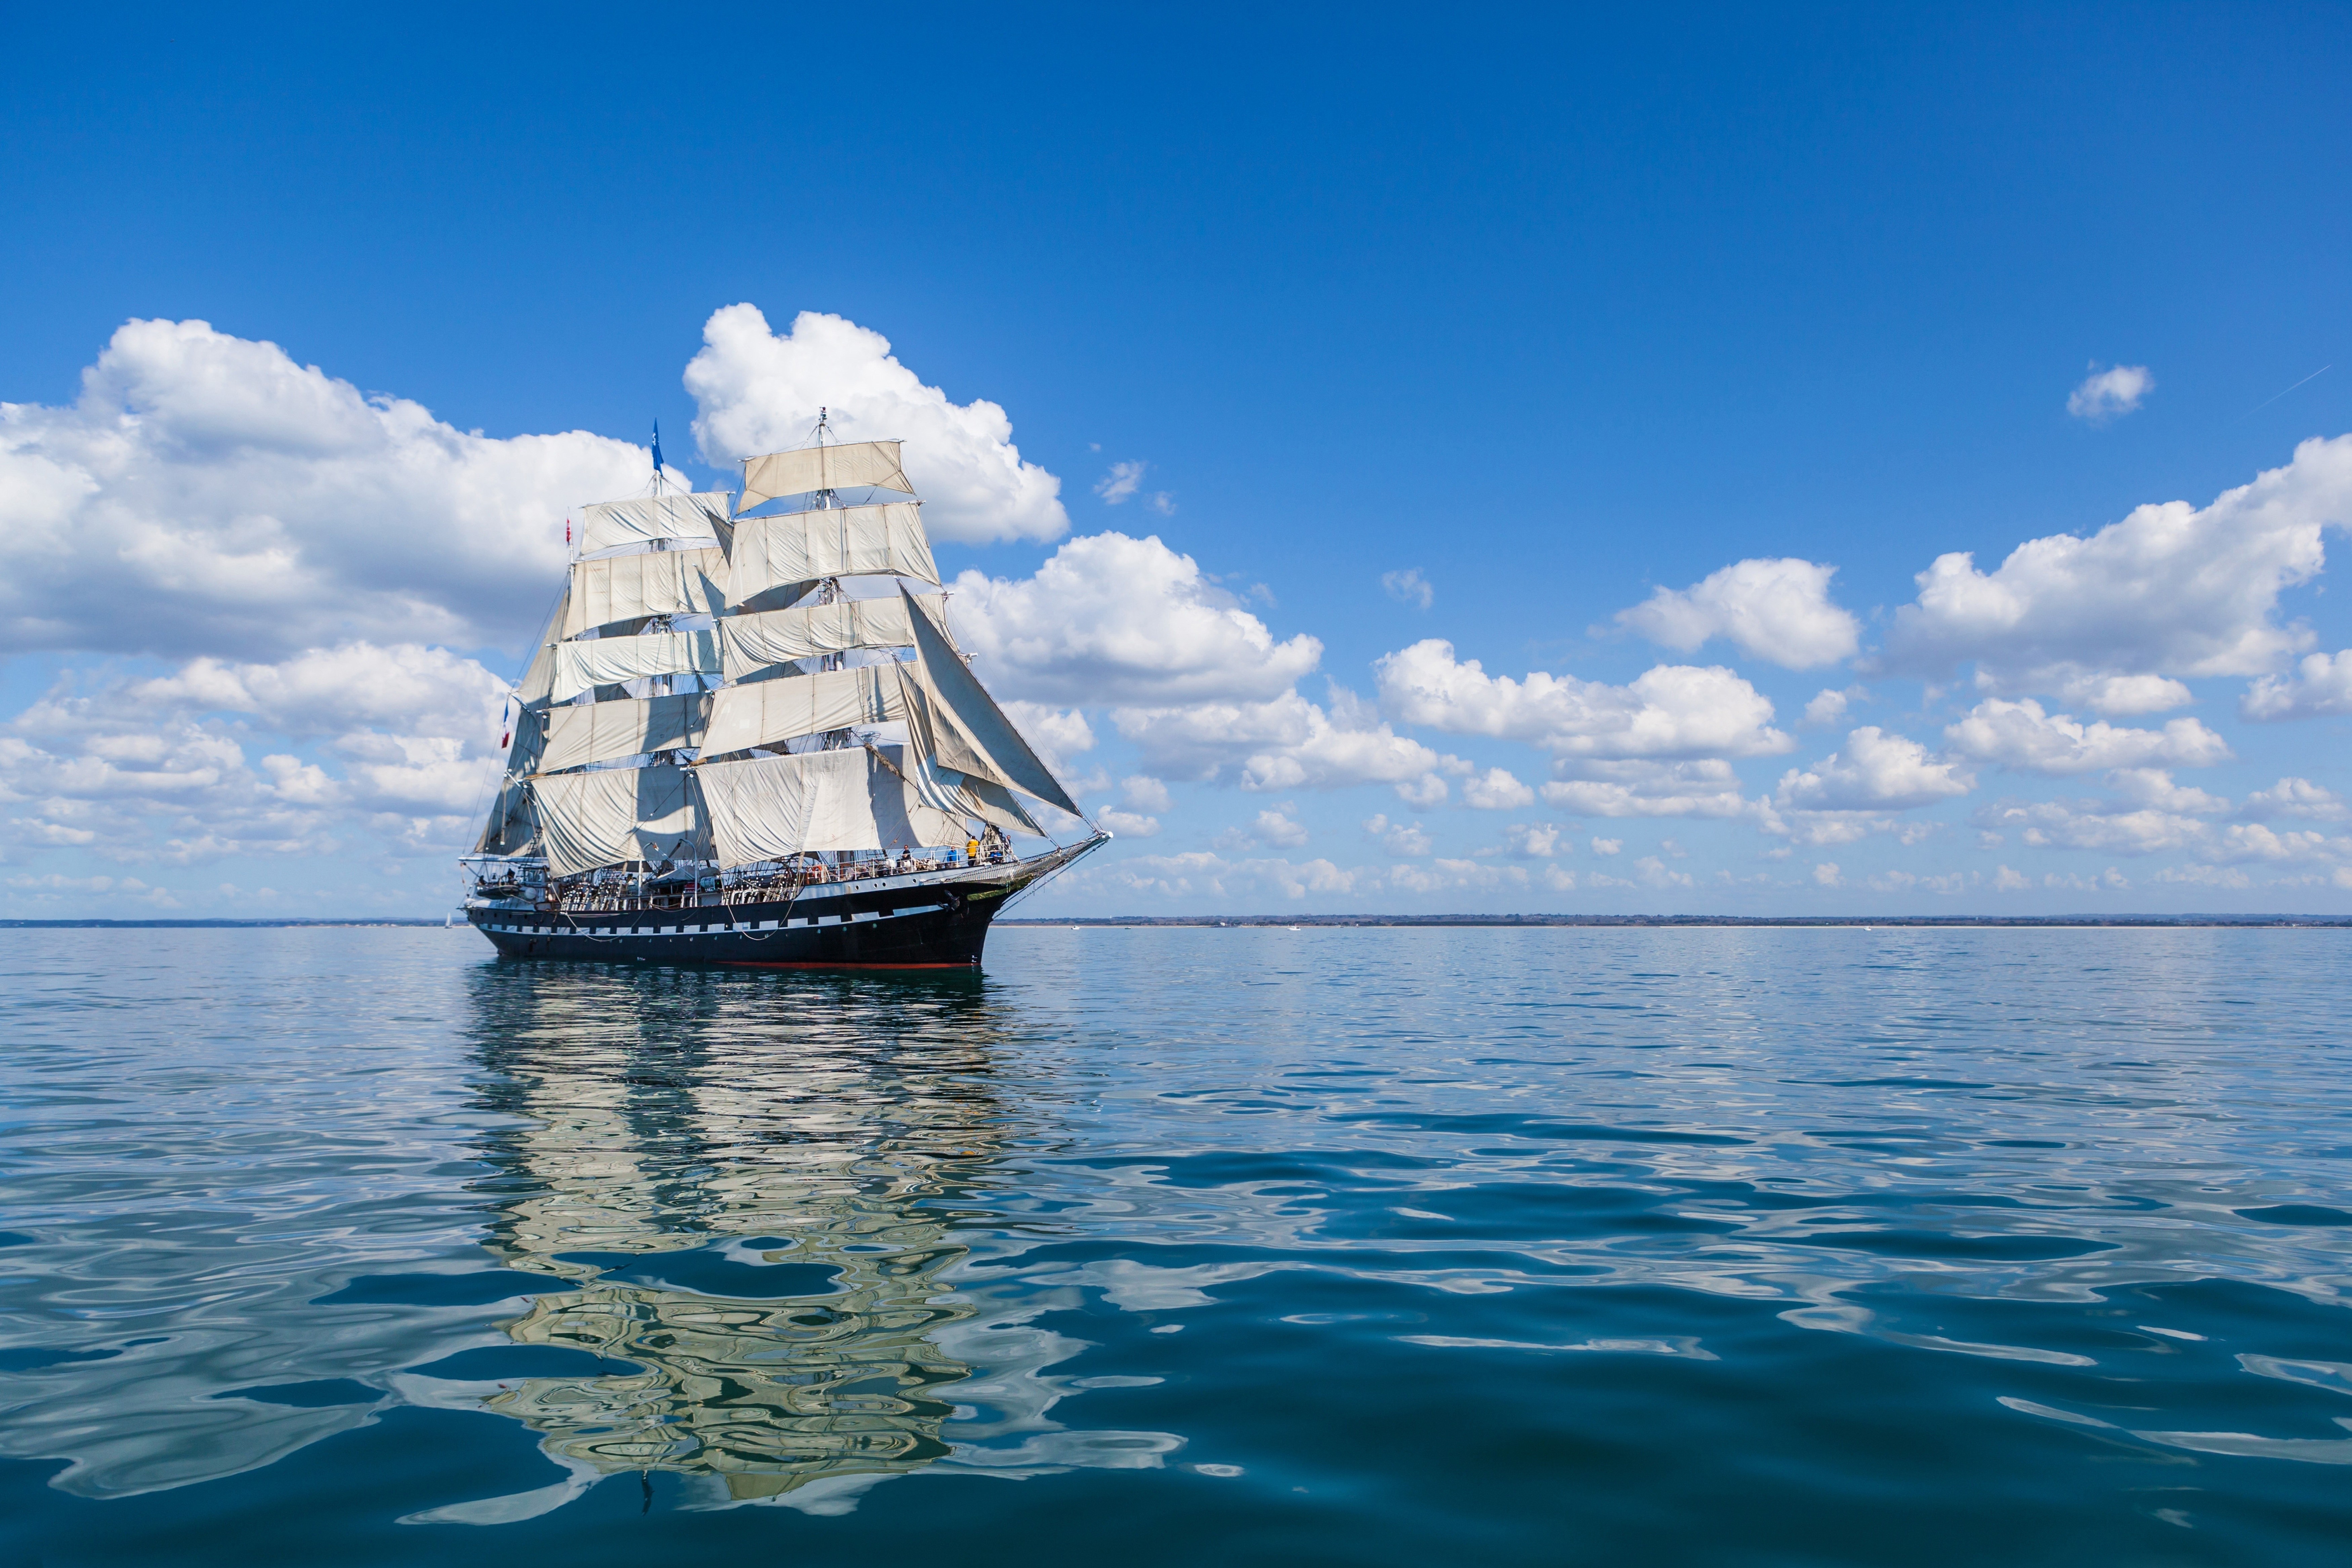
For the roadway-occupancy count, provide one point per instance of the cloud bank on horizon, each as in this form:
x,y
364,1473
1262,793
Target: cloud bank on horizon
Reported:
x,y
272,605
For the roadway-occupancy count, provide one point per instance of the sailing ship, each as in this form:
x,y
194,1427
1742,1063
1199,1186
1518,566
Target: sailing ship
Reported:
x,y
747,736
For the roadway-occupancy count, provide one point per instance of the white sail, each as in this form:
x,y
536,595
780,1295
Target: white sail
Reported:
x,y
850,466
838,542
770,808
763,712
609,523
511,829
772,637
604,662
652,582
962,726
965,796
611,814
539,676
581,734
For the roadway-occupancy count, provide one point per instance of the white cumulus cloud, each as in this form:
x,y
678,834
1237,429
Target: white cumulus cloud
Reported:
x,y
1536,840
759,391
1059,735
1875,771
1496,790
2247,841
1278,828
1638,787
2109,393
2113,827
2321,687
2021,735
1404,839
1288,742
1778,610
1141,791
1113,619
1201,873
206,494
1670,710
1450,876
2292,796
158,771
2172,589
2125,695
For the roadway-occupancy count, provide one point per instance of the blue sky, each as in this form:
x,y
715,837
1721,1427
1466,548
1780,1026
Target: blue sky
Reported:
x,y
1552,308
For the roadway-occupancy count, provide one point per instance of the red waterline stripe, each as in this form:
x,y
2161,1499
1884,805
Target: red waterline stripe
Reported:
x,y
819,963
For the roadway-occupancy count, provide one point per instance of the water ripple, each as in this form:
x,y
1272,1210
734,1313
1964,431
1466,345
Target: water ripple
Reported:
x,y
1506,1243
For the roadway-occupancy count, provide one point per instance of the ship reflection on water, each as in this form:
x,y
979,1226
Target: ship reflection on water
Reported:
x,y
752,1188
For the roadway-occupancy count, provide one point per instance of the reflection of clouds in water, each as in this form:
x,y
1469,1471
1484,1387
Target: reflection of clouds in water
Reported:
x,y
833,1127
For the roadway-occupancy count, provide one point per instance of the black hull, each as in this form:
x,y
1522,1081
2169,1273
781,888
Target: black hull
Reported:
x,y
936,920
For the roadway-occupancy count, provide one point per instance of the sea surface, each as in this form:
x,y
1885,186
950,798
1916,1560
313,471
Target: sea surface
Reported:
x,y
1456,1247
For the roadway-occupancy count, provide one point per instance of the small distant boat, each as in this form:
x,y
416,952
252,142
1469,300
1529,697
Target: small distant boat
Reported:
x,y
746,738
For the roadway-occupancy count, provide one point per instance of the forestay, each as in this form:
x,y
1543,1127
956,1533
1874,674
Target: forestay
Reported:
x,y
763,712
838,542
604,662
611,814
581,734
958,722
651,582
772,637
770,808
610,523
850,466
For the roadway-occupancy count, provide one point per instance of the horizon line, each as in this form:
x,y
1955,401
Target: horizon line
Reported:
x,y
2078,920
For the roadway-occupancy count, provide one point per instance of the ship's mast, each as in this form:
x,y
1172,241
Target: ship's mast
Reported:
x,y
828,589
828,592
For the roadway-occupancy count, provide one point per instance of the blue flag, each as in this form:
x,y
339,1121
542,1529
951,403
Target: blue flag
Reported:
x,y
658,462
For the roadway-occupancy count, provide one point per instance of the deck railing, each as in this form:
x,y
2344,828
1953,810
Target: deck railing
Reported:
x,y
616,896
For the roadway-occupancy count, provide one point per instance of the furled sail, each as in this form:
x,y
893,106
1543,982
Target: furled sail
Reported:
x,y
962,726
581,734
837,542
763,712
651,582
770,808
608,523
604,661
772,637
849,466
611,814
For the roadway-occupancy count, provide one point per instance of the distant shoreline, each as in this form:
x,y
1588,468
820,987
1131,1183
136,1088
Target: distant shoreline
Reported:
x,y
217,925
1236,922
2088,921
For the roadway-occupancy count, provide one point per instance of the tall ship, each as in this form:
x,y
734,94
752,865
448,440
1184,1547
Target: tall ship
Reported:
x,y
747,737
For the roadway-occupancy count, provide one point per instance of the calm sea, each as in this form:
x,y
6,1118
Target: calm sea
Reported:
x,y
1790,1247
